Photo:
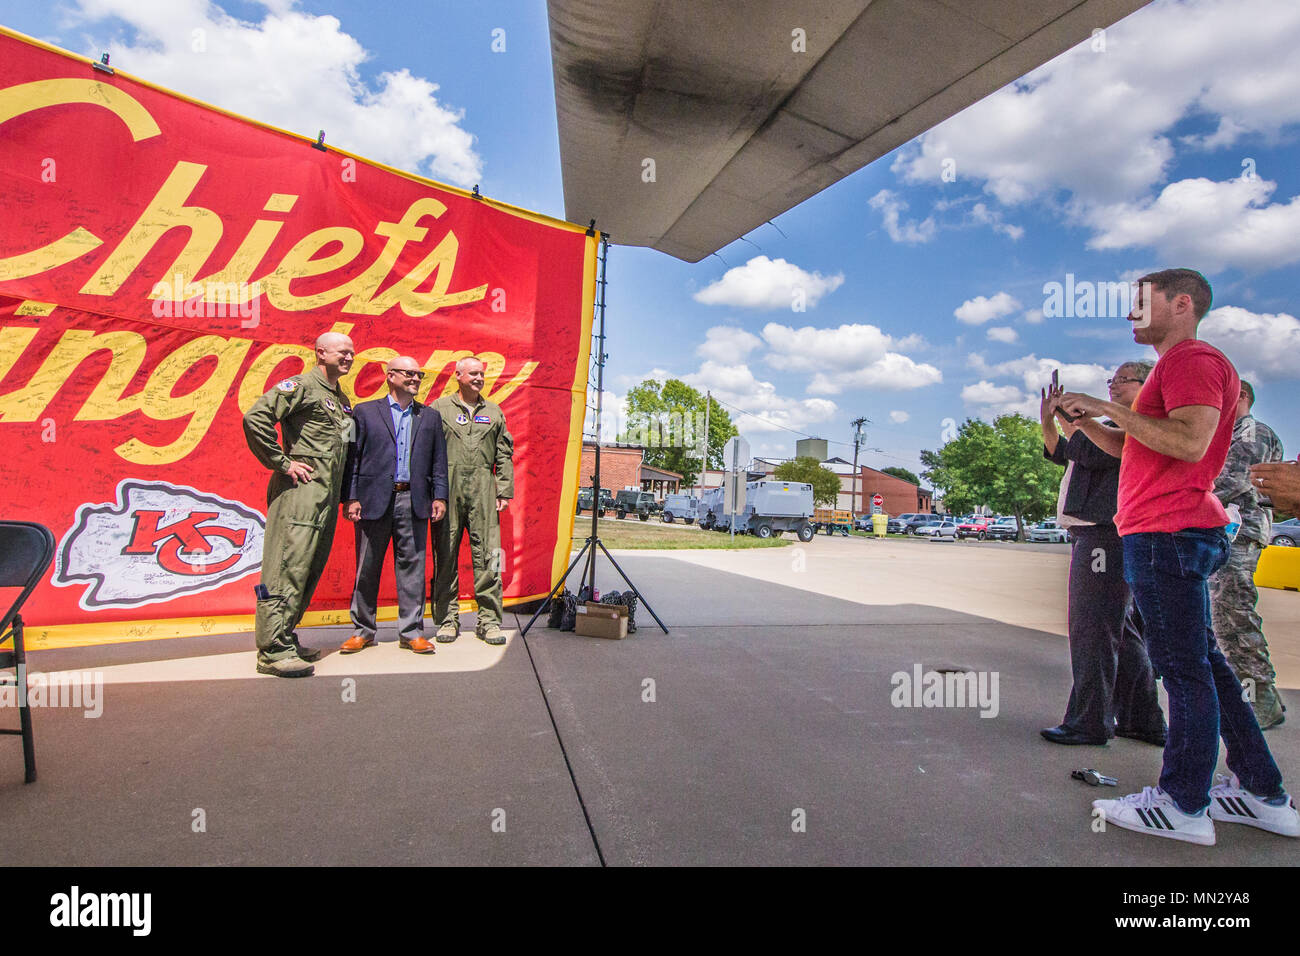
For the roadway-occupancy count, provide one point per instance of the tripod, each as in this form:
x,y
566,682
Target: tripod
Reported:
x,y
593,541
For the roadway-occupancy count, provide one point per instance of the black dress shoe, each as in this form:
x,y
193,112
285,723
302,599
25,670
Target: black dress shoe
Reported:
x,y
1155,738
1063,735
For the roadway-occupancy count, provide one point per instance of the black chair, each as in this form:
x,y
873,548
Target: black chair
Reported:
x,y
26,550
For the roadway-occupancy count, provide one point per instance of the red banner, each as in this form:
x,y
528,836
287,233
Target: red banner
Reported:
x,y
164,263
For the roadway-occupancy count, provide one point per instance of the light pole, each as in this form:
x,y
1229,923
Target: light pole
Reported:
x,y
857,423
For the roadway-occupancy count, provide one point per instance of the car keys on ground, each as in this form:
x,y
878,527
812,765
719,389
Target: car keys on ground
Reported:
x,y
1093,778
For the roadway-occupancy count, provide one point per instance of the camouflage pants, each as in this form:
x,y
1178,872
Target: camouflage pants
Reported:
x,y
1237,625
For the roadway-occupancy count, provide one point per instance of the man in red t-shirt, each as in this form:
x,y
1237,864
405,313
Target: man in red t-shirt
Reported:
x,y
1173,444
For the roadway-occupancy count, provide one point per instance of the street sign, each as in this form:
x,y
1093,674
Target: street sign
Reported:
x,y
877,500
735,454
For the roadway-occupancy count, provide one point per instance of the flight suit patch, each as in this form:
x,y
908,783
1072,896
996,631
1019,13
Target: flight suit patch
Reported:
x,y
288,385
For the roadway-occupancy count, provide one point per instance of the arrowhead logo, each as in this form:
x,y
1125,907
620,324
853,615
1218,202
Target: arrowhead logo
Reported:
x,y
160,541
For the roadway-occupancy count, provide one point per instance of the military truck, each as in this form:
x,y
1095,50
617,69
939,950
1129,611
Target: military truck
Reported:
x,y
584,500
640,503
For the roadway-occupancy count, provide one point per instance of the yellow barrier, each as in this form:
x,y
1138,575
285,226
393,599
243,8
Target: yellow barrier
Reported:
x,y
1278,568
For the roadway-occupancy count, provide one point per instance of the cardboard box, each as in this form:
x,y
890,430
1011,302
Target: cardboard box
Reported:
x,y
601,620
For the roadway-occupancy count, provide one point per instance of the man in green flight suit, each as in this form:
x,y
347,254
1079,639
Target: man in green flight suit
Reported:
x,y
477,443
302,498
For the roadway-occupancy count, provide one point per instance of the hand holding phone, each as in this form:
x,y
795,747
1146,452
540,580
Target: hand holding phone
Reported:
x,y
1057,391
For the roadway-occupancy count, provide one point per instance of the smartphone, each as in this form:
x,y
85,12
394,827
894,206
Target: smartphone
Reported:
x,y
1056,383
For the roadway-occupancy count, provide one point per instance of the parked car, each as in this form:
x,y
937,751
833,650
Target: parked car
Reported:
x,y
945,528
974,527
1049,531
898,523
1004,530
679,508
920,521
640,503
1286,534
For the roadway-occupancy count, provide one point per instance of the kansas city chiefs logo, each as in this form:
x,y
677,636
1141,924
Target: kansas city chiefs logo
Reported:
x,y
158,542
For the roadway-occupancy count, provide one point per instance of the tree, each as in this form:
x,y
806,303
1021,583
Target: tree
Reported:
x,y
667,419
999,465
901,473
825,483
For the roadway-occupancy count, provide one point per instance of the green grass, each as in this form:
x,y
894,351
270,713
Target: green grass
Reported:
x,y
631,535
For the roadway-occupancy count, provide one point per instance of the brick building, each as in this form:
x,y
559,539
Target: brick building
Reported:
x,y
622,467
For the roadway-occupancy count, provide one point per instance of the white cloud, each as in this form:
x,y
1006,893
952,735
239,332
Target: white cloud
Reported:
x,y
764,283
295,70
980,309
891,209
1092,133
1003,333
898,417
726,343
1261,345
1035,373
736,385
891,371
810,349
850,356
996,400
1097,123
1213,224
981,214
1034,316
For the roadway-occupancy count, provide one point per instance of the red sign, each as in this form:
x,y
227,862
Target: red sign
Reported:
x,y
164,263
877,500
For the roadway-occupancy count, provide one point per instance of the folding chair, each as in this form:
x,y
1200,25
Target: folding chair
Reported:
x,y
26,550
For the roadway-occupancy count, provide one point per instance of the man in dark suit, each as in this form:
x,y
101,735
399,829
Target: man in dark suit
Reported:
x,y
394,483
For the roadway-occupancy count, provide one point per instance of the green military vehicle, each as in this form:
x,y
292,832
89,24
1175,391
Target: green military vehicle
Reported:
x,y
640,503
584,500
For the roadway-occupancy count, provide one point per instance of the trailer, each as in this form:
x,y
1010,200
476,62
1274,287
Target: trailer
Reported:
x,y
833,520
771,508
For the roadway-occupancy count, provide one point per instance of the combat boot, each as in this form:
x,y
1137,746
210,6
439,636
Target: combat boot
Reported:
x,y
491,634
1268,706
286,667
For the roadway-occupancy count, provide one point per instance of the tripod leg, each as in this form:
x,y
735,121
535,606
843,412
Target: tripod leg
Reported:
x,y
559,584
631,585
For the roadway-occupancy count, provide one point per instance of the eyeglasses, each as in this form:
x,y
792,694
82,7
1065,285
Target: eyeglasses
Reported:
x,y
1121,380
406,372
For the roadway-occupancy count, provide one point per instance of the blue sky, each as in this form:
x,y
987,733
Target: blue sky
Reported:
x,y
1172,143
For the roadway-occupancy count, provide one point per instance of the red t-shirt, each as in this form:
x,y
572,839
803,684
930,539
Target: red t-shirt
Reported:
x,y
1159,493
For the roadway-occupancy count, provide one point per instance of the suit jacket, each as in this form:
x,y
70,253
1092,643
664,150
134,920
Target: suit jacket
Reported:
x,y
372,459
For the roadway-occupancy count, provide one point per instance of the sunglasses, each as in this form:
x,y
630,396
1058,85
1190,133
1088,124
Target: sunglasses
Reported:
x,y
407,373
1122,379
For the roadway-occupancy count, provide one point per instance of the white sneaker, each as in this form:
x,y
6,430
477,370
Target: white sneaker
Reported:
x,y
1153,811
1231,803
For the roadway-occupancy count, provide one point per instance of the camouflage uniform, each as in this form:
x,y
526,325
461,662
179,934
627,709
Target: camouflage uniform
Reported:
x,y
477,443
316,421
1237,625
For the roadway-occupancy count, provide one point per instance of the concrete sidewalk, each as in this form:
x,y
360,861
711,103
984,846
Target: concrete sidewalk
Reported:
x,y
760,731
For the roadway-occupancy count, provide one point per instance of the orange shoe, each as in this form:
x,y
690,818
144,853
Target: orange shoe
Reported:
x,y
419,645
356,643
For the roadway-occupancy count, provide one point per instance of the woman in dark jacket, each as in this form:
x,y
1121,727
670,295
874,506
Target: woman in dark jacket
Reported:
x,y
1113,679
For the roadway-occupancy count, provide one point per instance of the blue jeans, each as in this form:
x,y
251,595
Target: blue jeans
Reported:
x,y
1167,574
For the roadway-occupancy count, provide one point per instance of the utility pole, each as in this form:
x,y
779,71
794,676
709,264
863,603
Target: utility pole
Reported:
x,y
857,424
704,471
